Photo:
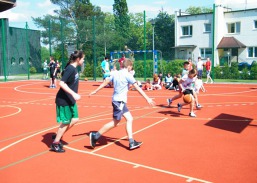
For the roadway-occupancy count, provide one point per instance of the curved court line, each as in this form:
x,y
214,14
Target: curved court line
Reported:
x,y
18,90
139,165
19,110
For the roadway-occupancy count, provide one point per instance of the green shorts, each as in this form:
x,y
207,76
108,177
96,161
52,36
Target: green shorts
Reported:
x,y
64,114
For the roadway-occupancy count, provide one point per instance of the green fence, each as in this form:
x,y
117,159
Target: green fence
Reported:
x,y
19,50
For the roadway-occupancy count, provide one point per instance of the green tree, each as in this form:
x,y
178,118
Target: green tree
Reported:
x,y
45,54
165,36
197,10
122,20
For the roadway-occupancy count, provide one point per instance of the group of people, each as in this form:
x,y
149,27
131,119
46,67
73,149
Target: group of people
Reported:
x,y
67,109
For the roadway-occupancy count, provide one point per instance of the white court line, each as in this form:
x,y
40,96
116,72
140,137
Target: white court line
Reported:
x,y
98,149
136,165
19,110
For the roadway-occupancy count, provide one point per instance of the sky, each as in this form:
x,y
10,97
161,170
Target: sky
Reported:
x,y
25,9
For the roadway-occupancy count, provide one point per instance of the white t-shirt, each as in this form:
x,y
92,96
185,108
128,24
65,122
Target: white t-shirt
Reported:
x,y
199,65
121,80
187,82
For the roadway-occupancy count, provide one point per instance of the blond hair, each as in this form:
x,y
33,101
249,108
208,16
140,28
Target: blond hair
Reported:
x,y
127,62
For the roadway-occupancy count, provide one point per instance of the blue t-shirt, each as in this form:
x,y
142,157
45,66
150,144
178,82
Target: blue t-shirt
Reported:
x,y
121,80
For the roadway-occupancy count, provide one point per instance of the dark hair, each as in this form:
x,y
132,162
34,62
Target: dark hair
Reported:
x,y
106,58
186,63
73,57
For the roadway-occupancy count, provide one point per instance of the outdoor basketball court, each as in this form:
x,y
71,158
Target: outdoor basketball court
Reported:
x,y
219,145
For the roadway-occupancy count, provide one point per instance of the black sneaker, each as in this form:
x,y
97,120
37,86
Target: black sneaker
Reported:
x,y
179,107
57,148
135,145
54,136
93,140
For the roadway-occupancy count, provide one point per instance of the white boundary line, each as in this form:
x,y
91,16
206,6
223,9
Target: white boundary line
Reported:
x,y
19,110
98,149
136,165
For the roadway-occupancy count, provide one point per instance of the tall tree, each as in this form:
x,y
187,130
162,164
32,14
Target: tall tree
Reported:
x,y
122,20
197,10
164,34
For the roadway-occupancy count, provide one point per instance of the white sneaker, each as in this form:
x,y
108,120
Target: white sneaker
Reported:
x,y
198,106
192,114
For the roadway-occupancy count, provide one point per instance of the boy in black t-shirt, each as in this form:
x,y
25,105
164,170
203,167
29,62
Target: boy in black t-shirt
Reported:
x,y
53,72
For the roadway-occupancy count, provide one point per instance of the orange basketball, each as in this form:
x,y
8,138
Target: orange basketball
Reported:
x,y
187,98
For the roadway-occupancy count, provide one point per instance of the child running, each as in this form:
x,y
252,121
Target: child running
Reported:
x,y
66,107
121,81
186,83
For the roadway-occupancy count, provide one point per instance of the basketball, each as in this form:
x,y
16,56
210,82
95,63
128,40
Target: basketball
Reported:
x,y
85,79
187,98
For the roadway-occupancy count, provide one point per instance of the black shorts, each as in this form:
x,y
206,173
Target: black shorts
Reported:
x,y
188,91
119,108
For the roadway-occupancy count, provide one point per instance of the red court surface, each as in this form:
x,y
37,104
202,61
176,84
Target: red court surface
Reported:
x,y
219,145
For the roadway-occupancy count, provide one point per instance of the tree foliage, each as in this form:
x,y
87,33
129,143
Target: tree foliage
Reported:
x,y
197,10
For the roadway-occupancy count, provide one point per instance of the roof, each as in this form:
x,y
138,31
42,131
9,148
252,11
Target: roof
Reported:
x,y
230,42
6,4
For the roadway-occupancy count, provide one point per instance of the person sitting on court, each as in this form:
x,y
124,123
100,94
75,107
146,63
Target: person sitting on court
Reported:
x,y
168,80
148,86
156,82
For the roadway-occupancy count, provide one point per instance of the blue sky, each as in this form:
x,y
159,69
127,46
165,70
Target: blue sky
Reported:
x,y
26,9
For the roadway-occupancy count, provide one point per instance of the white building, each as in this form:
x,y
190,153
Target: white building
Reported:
x,y
226,35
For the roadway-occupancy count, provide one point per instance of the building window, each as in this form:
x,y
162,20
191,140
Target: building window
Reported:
x,y
187,30
255,24
252,52
207,27
234,27
205,52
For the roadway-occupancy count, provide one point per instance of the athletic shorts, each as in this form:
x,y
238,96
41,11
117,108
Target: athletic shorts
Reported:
x,y
64,114
199,74
188,91
119,108
208,73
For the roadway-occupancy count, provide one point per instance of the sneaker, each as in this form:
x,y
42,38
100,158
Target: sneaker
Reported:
x,y
51,86
57,148
205,82
179,107
92,139
54,136
169,101
135,145
192,114
198,106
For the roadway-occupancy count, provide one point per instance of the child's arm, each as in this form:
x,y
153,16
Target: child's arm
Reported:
x,y
65,87
106,82
149,100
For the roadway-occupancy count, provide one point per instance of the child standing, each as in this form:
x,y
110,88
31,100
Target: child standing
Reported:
x,y
53,72
66,107
121,81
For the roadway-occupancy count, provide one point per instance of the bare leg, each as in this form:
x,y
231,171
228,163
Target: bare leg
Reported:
x,y
129,124
108,126
64,128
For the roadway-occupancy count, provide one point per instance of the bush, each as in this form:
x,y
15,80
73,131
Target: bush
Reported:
x,y
32,70
253,70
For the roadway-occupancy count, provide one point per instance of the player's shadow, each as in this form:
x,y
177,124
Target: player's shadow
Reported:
x,y
172,112
229,122
47,139
104,140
